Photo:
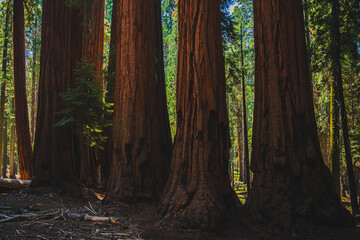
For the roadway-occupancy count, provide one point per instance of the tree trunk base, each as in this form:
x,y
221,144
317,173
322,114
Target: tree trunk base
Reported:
x,y
200,210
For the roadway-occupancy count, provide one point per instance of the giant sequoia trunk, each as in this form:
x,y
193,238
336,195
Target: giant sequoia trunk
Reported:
x,y
141,132
198,192
21,109
54,149
291,181
92,51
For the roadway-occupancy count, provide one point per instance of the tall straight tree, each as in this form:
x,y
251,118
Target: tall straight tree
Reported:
x,y
141,132
198,192
290,178
92,52
336,70
4,75
36,31
21,107
54,149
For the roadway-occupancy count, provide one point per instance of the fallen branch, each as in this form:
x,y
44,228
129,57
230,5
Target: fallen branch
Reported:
x,y
13,183
99,219
18,217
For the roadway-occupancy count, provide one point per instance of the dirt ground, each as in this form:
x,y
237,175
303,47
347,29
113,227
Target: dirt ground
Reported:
x,y
47,214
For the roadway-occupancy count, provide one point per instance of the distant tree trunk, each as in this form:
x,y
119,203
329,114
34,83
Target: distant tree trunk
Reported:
x,y
245,122
4,75
198,192
4,156
240,145
336,68
55,149
141,135
33,82
21,109
12,150
291,181
335,136
108,149
93,52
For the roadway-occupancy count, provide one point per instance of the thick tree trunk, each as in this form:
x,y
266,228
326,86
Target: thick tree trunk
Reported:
x,y
93,52
21,109
291,181
55,149
4,152
336,68
12,150
141,135
198,192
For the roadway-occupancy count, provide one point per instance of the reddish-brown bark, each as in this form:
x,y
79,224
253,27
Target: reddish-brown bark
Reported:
x,y
141,132
21,109
291,181
198,192
92,51
55,148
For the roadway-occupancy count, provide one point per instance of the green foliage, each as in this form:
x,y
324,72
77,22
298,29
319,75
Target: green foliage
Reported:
x,y
318,28
170,38
242,27
85,106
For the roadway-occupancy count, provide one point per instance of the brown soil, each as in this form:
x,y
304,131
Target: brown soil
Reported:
x,y
48,214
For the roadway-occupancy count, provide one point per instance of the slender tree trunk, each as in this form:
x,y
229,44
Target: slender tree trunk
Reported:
x,y
291,181
245,122
335,136
12,150
4,76
56,149
336,68
335,127
141,135
21,110
5,156
198,192
239,145
33,82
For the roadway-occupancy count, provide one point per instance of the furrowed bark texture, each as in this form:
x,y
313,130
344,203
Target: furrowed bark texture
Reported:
x,y
21,107
291,181
141,132
55,148
198,192
93,52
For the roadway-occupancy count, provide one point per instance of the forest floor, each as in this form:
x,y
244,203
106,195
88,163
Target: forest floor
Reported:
x,y
47,214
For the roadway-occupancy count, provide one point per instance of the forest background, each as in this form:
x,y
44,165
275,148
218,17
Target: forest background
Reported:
x,y
238,44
